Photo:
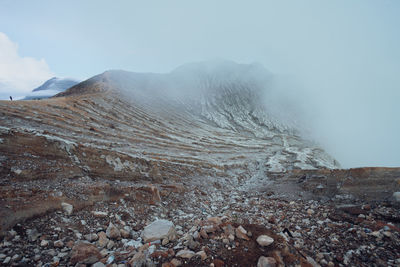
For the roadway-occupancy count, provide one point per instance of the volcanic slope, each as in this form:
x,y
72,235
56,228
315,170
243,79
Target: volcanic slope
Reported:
x,y
207,117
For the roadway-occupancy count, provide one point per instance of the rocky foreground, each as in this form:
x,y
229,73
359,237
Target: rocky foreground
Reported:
x,y
205,224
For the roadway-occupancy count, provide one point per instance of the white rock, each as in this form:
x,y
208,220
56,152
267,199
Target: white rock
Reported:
x,y
98,264
159,230
7,260
68,208
78,235
242,230
44,243
396,196
264,240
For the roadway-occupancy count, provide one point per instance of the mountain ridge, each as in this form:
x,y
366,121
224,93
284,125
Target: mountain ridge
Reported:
x,y
226,95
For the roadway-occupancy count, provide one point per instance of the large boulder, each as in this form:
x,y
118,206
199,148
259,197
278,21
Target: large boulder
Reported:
x,y
159,230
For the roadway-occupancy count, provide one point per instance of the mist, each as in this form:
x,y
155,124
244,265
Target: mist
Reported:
x,y
336,63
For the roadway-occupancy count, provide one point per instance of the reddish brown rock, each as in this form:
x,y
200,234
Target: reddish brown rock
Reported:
x,y
85,253
159,253
241,233
218,263
113,232
215,220
149,194
203,233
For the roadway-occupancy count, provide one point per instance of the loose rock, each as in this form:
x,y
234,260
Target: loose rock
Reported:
x,y
113,232
58,244
266,262
84,253
396,196
186,254
264,240
159,230
99,214
241,233
67,208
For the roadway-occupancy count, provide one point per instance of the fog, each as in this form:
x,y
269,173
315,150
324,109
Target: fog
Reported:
x,y
338,62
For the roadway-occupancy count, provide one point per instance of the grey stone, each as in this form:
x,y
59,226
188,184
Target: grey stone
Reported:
x,y
186,254
91,237
32,234
44,243
159,230
113,232
67,208
7,260
396,196
264,240
98,264
266,262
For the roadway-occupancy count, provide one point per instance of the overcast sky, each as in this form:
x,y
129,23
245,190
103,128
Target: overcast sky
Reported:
x,y
342,57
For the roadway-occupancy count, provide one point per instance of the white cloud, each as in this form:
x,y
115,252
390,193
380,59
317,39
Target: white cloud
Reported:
x,y
19,75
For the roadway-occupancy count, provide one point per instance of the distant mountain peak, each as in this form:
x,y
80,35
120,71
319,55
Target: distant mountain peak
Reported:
x,y
56,83
51,87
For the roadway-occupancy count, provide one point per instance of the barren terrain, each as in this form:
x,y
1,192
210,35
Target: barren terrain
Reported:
x,y
213,162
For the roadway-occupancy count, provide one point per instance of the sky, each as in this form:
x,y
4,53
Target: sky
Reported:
x,y
341,59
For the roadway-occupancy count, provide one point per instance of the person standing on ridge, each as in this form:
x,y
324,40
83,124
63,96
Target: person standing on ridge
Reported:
x,y
11,98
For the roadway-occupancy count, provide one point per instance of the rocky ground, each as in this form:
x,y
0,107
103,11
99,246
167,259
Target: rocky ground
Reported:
x,y
201,222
